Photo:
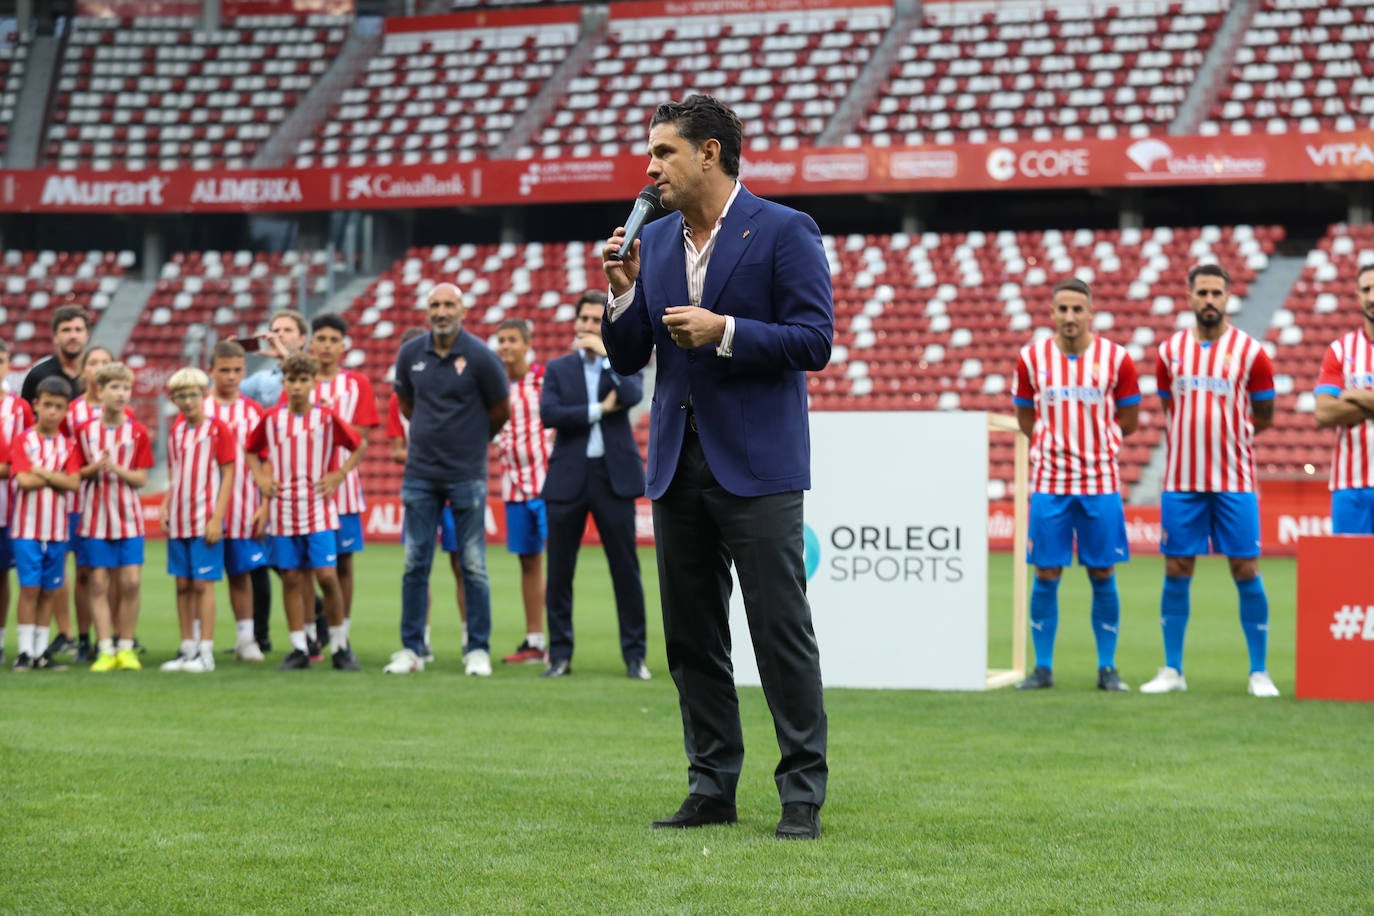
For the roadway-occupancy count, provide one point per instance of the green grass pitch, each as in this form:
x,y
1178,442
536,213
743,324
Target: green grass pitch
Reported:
x,y
247,790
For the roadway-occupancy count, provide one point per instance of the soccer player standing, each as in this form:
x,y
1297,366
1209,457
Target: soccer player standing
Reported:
x,y
1217,385
1077,395
1345,403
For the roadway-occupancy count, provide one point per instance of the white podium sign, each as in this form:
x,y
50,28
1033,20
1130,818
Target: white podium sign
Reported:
x,y
896,551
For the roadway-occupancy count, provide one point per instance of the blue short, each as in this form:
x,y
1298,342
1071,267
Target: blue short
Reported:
x,y
1098,522
349,536
1200,523
103,553
6,547
1352,511
40,564
303,551
527,527
243,555
192,558
74,539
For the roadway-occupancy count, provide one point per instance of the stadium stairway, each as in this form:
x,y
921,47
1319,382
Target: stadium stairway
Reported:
x,y
306,118
25,139
1215,69
121,317
871,78
1268,293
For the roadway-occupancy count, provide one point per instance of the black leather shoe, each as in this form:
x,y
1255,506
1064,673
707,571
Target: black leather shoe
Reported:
x,y
800,821
1039,679
699,811
638,671
560,668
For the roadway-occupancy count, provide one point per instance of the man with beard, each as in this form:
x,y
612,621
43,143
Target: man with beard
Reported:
x,y
454,392
71,330
1345,403
1217,385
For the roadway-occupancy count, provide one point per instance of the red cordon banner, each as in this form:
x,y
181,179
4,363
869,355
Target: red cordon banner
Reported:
x,y
1284,158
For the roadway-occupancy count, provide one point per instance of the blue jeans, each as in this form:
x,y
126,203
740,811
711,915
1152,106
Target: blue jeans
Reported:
x,y
424,500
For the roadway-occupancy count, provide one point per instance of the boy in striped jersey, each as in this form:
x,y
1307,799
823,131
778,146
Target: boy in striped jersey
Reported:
x,y
245,557
201,451
1076,395
45,465
115,456
1345,403
524,463
349,394
294,454
1217,386
15,416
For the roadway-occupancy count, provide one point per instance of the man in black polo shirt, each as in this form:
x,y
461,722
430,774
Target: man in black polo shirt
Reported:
x,y
71,331
453,390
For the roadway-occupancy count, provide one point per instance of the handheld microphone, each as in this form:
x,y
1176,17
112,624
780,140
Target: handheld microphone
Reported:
x,y
646,210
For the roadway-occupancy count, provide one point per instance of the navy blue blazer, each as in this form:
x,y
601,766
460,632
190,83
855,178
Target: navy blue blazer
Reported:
x,y
770,272
563,407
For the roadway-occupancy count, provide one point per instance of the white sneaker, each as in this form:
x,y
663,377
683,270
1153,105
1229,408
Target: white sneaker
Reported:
x,y
478,663
1167,680
248,651
175,664
1261,685
404,662
201,663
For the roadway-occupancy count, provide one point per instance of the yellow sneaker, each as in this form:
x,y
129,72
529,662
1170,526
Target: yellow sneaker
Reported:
x,y
127,660
105,662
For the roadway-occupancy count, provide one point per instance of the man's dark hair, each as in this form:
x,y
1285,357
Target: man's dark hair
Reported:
x,y
590,297
515,324
227,349
332,321
55,385
1364,269
1208,270
410,334
1073,285
699,118
4,347
95,348
66,313
300,364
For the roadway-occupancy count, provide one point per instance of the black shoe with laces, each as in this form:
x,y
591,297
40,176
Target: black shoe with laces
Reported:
x,y
1039,679
296,661
61,645
1110,679
46,662
345,660
24,662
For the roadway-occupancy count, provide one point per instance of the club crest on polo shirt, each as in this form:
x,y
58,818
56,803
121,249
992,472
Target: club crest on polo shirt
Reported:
x,y
460,364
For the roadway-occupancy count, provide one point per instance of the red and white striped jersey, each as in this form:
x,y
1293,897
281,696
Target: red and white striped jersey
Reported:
x,y
1349,363
523,441
1211,429
110,507
351,396
301,449
41,515
79,412
1077,439
15,416
195,455
397,426
240,416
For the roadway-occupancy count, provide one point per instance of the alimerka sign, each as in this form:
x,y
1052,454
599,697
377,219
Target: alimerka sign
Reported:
x,y
1161,160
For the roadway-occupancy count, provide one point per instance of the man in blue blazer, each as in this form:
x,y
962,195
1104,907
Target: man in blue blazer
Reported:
x,y
733,292
594,467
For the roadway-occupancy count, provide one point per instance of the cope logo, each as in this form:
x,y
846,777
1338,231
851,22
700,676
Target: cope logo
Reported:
x,y
1005,164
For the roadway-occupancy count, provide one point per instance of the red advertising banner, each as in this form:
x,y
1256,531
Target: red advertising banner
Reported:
x,y
1286,158
665,9
1335,640
481,19
129,9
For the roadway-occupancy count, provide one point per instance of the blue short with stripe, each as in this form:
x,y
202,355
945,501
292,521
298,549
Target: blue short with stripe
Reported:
x,y
349,537
1096,522
304,551
1201,523
1352,511
40,564
527,527
107,553
192,558
243,555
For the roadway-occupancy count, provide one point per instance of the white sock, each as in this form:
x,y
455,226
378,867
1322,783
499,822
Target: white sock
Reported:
x,y
310,631
2,634
298,640
207,648
188,648
536,640
426,634
336,640
106,647
40,640
465,635
245,630
126,645
25,631
195,630
342,630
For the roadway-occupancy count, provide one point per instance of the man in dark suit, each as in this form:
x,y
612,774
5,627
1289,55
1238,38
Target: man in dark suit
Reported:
x,y
734,294
594,467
